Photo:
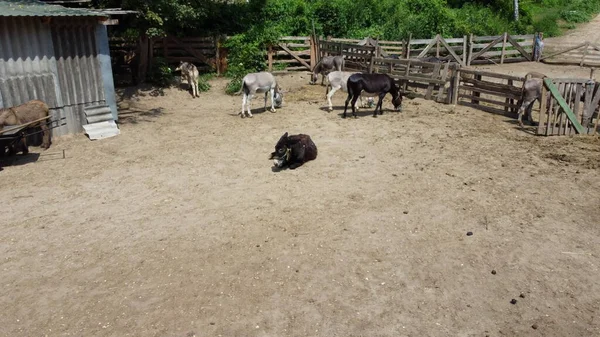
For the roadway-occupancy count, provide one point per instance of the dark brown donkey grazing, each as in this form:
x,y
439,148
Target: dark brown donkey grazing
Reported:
x,y
293,151
27,113
379,84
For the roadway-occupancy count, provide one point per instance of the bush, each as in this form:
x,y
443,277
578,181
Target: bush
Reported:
x,y
160,73
547,24
203,84
234,86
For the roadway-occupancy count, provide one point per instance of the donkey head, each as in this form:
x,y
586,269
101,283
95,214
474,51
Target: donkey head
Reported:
x,y
282,153
180,66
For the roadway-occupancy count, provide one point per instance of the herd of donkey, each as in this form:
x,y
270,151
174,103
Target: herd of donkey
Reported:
x,y
290,151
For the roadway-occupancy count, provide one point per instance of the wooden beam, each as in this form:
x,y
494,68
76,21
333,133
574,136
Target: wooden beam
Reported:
x,y
424,52
564,51
445,44
578,127
282,46
488,47
519,48
190,50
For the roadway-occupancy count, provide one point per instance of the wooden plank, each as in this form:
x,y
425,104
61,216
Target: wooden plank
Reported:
x,y
503,47
192,51
563,105
482,107
282,46
442,87
456,57
455,84
564,51
542,113
492,44
492,74
591,107
504,105
487,91
519,48
578,94
424,52
430,87
296,38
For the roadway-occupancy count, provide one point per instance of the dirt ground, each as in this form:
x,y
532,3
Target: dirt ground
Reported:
x,y
178,226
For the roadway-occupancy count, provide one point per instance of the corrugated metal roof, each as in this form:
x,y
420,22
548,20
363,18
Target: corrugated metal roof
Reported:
x,y
38,8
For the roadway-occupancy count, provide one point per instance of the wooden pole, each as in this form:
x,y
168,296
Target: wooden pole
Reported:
x,y
503,48
270,57
217,56
464,55
437,45
470,50
455,84
543,108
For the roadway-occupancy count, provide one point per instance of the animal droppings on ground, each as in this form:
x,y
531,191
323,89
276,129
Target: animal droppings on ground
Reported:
x,y
522,295
534,327
405,212
493,272
513,301
469,233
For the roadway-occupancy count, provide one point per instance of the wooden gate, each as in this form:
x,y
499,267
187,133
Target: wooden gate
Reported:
x,y
568,106
583,54
356,57
454,49
500,49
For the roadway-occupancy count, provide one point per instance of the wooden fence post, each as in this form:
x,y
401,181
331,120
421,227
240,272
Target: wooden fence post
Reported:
x,y
408,46
437,45
543,109
455,84
270,57
503,47
470,50
313,51
143,64
217,55
464,55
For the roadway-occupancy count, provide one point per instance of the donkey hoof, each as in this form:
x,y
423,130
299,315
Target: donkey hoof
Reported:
x,y
273,110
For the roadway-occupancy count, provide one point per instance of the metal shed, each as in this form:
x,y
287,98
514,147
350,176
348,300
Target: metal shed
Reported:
x,y
56,54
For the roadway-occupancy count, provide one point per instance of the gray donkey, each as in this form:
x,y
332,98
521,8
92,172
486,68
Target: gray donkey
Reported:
x,y
325,66
190,73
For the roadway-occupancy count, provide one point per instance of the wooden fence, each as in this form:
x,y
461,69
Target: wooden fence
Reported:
x,y
198,50
488,91
582,54
428,80
500,49
568,106
302,52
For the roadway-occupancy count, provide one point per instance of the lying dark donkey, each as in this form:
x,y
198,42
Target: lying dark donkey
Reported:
x,y
379,84
293,151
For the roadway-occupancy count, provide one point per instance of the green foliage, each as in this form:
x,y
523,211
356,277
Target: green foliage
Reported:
x,y
203,82
548,24
234,86
160,73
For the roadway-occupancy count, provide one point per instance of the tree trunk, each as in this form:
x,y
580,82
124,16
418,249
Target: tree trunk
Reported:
x,y
516,2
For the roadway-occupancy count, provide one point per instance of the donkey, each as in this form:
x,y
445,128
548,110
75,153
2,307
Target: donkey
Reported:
x,y
190,73
26,113
325,66
293,151
339,80
261,82
379,84
530,92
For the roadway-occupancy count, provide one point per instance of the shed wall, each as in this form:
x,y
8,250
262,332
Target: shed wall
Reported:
x,y
57,63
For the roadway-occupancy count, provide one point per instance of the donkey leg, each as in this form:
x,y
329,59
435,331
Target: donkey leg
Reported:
x,y
45,136
346,104
329,95
379,104
354,99
248,104
272,100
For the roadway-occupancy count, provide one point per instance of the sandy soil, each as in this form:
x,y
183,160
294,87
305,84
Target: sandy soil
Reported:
x,y
178,226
